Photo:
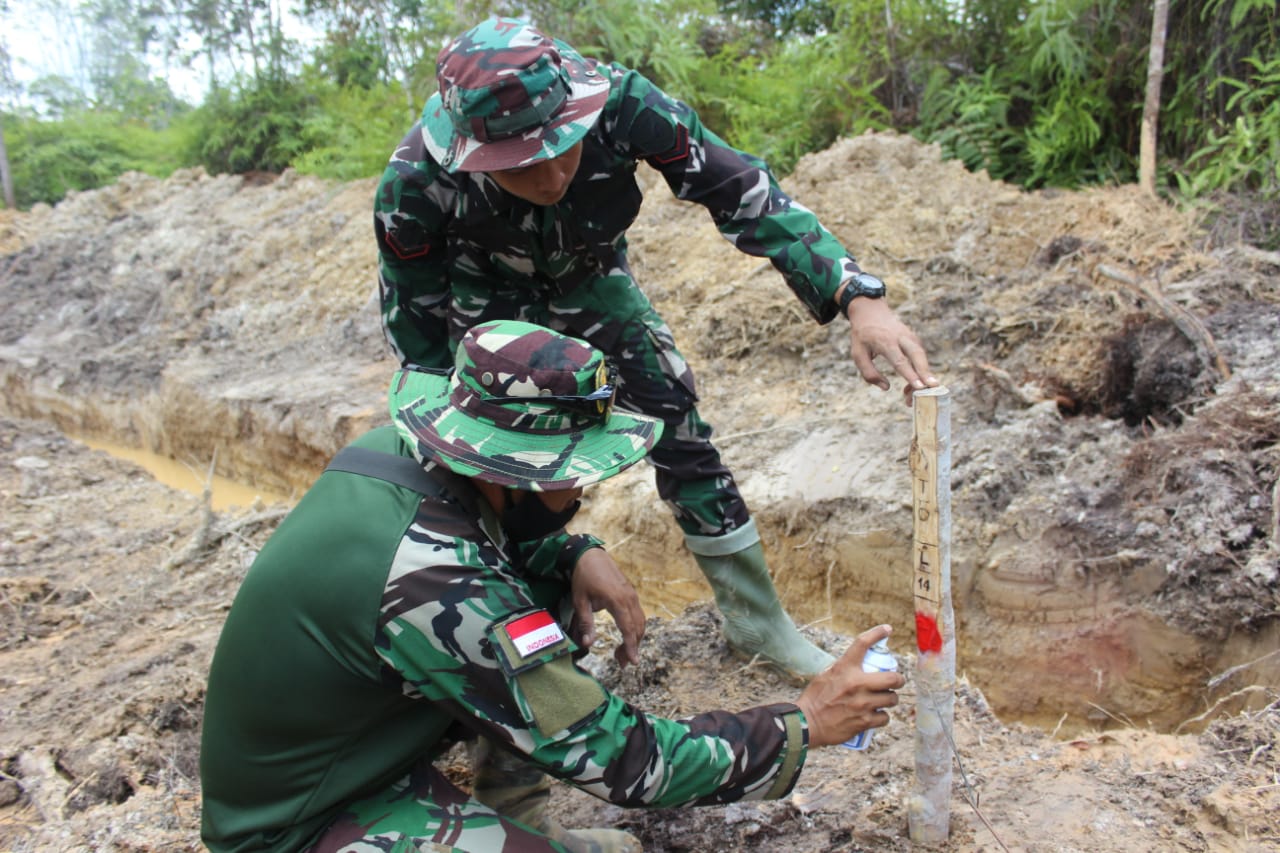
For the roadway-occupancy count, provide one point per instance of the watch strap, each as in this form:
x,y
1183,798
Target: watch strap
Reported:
x,y
855,288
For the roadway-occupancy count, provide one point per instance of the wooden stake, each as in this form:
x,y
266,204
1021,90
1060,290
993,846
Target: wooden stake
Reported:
x,y
929,806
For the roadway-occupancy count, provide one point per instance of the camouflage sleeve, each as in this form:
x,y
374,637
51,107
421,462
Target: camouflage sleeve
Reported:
x,y
462,632
738,190
556,556
410,213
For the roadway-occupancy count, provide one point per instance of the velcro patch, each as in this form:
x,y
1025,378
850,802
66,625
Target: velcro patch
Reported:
x,y
550,692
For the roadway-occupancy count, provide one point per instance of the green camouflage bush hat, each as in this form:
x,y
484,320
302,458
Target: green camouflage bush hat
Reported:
x,y
509,96
525,408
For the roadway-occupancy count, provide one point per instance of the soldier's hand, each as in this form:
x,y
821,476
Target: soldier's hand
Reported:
x,y
844,700
875,330
598,584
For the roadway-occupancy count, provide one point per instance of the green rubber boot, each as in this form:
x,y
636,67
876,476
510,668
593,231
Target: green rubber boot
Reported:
x,y
754,621
515,788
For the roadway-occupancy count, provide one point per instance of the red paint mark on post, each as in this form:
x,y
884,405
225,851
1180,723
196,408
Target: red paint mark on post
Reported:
x,y
928,638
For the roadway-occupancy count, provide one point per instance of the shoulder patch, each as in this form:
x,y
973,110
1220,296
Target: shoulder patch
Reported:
x,y
528,639
408,244
550,693
403,235
532,633
678,151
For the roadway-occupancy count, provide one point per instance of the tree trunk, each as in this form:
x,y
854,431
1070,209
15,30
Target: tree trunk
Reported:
x,y
1151,108
6,178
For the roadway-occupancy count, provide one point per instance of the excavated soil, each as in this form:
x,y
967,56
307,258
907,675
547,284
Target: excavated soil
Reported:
x,y
1115,567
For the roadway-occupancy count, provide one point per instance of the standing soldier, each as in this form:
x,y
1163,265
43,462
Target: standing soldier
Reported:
x,y
511,199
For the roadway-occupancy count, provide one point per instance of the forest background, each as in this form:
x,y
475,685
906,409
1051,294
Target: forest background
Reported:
x,y
1039,93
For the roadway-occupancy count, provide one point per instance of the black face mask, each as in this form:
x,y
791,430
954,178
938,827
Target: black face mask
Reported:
x,y
531,519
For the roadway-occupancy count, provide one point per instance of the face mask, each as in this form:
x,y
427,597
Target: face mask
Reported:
x,y
531,519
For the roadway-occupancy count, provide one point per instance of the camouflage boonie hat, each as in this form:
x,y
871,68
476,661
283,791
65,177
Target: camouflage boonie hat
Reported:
x,y
509,96
525,408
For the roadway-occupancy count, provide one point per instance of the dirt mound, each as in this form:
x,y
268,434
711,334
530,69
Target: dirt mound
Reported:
x,y
1115,563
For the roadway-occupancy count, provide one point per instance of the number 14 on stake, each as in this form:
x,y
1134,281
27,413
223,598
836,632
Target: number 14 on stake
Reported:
x,y
926,582
927,565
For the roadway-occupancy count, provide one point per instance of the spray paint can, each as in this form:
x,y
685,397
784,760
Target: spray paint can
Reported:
x,y
877,659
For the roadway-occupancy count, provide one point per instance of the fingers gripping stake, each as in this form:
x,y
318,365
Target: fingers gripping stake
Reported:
x,y
929,807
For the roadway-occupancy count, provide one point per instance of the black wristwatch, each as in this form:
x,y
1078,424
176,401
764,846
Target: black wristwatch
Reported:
x,y
862,284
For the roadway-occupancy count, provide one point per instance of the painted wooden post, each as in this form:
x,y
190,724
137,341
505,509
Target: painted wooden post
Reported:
x,y
929,806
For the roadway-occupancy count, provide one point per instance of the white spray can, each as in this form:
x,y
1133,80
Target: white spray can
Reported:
x,y
877,659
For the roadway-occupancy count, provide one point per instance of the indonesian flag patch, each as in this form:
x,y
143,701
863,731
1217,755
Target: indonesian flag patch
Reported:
x,y
532,633
547,689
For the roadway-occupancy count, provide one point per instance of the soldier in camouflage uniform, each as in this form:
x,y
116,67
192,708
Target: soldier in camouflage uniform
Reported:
x,y
424,590
511,198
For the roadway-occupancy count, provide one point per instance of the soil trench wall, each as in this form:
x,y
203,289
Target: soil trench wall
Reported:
x,y
249,436
1063,650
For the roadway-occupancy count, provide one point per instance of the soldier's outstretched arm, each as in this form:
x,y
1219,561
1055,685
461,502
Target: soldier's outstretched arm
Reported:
x,y
466,635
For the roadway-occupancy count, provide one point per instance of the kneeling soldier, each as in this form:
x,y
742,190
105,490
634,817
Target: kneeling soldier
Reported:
x,y
424,590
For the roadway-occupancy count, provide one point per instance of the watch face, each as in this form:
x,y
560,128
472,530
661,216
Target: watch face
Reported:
x,y
861,284
868,285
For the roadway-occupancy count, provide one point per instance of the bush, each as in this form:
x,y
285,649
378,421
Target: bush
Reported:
x,y
799,99
969,118
1244,155
351,131
86,150
257,127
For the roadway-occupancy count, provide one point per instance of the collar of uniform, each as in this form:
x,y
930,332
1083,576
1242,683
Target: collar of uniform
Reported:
x,y
481,198
458,488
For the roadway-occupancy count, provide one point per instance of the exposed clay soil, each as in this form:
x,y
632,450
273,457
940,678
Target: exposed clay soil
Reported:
x,y
1115,566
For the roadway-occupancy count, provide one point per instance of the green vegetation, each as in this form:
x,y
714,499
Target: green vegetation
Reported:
x,y
1036,92
86,149
1245,153
349,131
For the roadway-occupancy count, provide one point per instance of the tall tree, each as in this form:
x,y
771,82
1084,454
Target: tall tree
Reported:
x,y
235,39
1151,107
403,34
118,36
6,179
7,85
784,17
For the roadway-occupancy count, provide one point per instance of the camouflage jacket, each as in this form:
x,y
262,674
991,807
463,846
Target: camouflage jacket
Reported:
x,y
376,617
435,228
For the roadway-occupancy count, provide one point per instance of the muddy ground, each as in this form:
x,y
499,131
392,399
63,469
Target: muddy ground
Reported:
x,y
1115,566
